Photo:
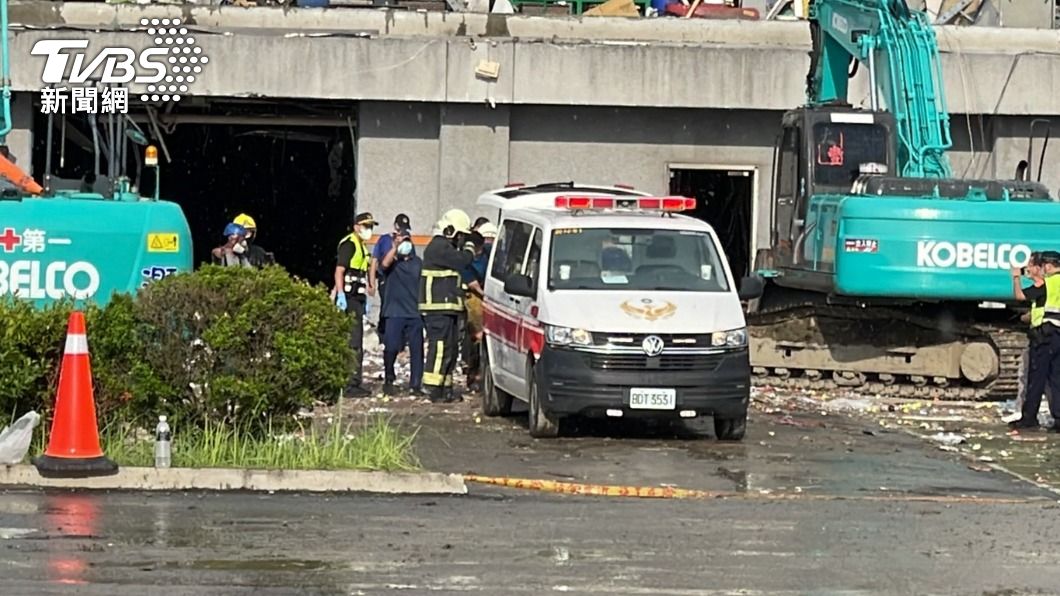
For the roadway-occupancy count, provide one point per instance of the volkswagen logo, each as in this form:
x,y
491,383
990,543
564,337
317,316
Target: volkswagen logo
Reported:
x,y
653,345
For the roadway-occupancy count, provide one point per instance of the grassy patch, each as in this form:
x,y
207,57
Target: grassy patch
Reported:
x,y
373,443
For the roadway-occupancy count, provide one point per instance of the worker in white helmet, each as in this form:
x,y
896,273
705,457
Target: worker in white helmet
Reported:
x,y
442,301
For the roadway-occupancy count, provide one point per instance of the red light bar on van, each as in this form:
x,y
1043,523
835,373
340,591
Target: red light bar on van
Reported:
x,y
639,203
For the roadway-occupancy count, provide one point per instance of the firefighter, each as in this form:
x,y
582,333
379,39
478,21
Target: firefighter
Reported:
x,y
351,282
441,301
257,255
474,279
1044,368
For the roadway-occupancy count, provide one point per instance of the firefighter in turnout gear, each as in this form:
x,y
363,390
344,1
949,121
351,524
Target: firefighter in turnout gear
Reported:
x,y
351,283
442,301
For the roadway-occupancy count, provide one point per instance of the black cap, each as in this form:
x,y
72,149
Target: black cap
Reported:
x,y
1051,256
402,219
403,227
365,219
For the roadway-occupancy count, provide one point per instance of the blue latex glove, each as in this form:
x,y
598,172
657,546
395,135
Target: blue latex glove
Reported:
x,y
340,300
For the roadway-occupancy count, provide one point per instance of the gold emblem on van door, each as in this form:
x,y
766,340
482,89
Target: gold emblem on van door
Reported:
x,y
649,310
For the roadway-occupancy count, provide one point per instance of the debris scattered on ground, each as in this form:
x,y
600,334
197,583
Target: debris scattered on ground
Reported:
x,y
977,430
951,439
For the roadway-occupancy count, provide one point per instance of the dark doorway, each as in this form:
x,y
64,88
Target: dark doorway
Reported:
x,y
296,182
724,199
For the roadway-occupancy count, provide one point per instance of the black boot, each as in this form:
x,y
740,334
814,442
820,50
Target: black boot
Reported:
x,y
435,394
357,392
1023,424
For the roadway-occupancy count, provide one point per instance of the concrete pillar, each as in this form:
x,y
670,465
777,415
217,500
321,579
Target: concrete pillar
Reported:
x,y
397,161
20,139
474,154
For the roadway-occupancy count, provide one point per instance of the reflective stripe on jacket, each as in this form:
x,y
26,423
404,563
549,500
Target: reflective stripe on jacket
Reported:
x,y
441,288
1052,300
356,277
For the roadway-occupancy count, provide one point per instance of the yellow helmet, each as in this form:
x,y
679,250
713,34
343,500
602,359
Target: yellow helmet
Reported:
x,y
456,218
246,221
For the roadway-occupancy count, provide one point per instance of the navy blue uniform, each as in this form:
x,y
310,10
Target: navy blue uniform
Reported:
x,y
404,323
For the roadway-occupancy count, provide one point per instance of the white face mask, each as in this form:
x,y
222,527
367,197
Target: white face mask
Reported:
x,y
404,249
365,234
240,247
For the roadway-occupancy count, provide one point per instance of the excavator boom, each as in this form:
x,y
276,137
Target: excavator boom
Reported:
x,y
898,46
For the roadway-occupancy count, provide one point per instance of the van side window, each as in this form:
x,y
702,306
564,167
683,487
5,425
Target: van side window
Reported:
x,y
533,261
510,247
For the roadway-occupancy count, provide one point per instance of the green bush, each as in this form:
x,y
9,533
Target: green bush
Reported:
x,y
31,345
220,344
240,344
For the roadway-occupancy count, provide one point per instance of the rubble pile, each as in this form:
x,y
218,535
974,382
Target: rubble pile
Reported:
x,y
977,431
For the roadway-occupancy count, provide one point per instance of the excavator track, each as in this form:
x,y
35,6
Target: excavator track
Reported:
x,y
802,343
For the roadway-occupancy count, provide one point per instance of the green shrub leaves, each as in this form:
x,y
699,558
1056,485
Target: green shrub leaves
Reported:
x,y
221,344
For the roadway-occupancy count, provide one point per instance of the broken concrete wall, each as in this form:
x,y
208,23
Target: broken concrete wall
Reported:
x,y
398,161
476,148
638,146
474,153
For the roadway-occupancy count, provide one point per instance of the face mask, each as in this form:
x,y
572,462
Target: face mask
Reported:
x,y
404,249
240,247
365,234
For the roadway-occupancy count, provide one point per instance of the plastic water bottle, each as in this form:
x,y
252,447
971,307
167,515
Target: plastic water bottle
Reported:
x,y
162,443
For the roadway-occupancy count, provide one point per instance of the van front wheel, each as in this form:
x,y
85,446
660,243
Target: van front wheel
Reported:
x,y
730,429
542,426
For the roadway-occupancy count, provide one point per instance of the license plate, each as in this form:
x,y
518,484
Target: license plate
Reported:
x,y
653,399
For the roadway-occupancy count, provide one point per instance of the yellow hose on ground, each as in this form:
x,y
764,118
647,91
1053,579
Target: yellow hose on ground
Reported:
x,y
665,492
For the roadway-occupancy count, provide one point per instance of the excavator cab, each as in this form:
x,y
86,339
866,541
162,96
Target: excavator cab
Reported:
x,y
822,151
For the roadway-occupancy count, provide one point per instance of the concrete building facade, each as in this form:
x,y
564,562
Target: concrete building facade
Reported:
x,y
601,100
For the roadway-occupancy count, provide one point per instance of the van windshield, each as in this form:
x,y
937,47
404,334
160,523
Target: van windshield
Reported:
x,y
635,259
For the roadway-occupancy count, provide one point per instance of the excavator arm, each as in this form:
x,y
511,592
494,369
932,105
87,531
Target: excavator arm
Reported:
x,y
898,47
8,169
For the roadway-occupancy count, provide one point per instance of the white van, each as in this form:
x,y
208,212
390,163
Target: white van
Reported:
x,y
605,301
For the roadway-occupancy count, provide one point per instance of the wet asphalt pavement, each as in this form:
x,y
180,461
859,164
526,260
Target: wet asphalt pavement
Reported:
x,y
790,452
517,543
847,523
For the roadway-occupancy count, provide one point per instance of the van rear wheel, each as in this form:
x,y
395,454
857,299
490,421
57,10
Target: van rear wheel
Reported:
x,y
542,425
495,401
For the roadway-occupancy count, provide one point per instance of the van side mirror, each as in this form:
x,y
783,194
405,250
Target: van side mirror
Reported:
x,y
751,287
520,285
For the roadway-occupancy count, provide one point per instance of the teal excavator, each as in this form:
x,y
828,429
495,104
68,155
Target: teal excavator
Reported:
x,y
884,272
63,244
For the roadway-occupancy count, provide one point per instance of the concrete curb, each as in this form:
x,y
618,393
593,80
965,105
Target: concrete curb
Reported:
x,y
225,479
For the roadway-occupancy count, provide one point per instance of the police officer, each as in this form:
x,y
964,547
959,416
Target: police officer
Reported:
x,y
1034,319
351,282
441,301
1044,369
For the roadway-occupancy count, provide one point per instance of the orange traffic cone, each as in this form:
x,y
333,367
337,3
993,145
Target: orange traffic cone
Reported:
x,y
73,446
